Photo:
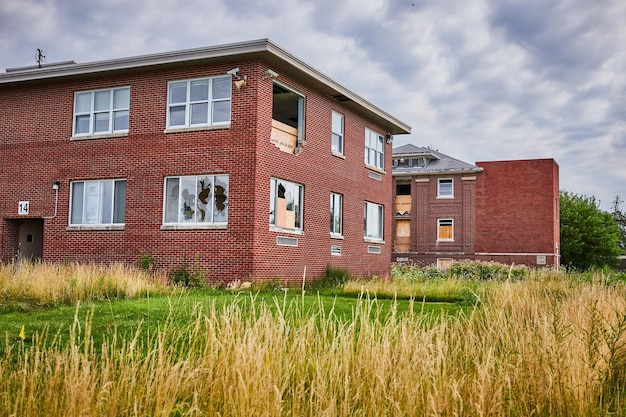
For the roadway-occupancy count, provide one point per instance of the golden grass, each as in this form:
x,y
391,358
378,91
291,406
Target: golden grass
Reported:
x,y
550,347
27,285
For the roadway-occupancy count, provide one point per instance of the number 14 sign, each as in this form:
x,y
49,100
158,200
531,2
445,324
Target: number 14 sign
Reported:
x,y
22,208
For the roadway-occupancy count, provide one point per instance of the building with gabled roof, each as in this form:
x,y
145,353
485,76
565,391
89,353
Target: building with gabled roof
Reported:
x,y
239,159
447,210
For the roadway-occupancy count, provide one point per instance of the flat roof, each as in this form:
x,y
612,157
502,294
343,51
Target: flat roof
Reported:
x,y
263,49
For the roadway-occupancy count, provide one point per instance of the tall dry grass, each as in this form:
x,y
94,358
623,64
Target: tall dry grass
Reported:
x,y
28,285
544,347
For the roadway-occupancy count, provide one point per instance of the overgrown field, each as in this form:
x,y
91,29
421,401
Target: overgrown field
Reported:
x,y
541,343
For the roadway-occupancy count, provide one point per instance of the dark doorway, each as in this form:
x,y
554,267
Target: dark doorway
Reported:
x,y
30,239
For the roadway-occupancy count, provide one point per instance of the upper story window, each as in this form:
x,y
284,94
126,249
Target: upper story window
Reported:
x,y
286,200
336,221
287,119
98,203
445,188
337,133
196,199
374,149
101,112
199,102
373,221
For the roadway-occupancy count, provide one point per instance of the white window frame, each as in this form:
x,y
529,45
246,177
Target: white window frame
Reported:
x,y
373,222
337,141
182,209
294,195
336,214
99,199
440,224
374,149
189,102
444,193
112,109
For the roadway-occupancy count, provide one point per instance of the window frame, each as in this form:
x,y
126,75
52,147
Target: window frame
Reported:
x,y
337,133
92,112
377,153
194,223
378,237
440,225
298,209
189,103
440,181
99,195
336,219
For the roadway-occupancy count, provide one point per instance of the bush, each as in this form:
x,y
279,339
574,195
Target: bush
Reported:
x,y
183,277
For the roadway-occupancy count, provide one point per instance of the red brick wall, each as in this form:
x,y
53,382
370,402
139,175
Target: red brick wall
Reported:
x,y
517,210
35,148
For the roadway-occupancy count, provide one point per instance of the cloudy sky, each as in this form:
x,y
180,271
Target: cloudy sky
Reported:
x,y
478,80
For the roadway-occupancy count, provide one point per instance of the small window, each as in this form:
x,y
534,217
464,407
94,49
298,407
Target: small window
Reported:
x,y
374,149
337,133
199,102
445,229
286,204
98,203
101,112
373,221
445,188
196,199
336,204
444,263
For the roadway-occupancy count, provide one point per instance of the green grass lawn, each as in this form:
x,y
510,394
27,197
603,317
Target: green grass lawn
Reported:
x,y
145,315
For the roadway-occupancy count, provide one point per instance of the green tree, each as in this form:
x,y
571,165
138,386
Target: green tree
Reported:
x,y
589,236
620,218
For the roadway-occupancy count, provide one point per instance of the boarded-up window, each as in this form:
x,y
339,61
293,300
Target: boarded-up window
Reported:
x,y
403,236
444,263
445,229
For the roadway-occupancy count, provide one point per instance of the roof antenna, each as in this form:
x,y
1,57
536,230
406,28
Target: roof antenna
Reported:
x,y
40,57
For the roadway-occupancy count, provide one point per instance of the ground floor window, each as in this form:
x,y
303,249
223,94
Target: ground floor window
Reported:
x,y
98,202
286,204
373,221
444,263
336,203
196,199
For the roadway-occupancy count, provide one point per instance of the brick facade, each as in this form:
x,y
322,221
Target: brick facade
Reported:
x,y
37,149
503,211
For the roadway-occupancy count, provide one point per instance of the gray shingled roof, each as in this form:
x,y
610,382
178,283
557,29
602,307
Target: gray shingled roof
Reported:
x,y
437,162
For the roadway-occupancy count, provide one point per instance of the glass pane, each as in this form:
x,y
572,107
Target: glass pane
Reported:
x,y
171,200
119,202
120,120
106,202
187,199
177,116
178,92
83,103
337,123
220,212
77,203
205,198
82,124
273,184
221,111
336,144
91,202
101,122
121,98
199,113
221,88
102,100
380,144
199,90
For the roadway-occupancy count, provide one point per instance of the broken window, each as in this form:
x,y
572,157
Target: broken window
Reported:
x,y
286,204
336,202
403,199
287,119
201,199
